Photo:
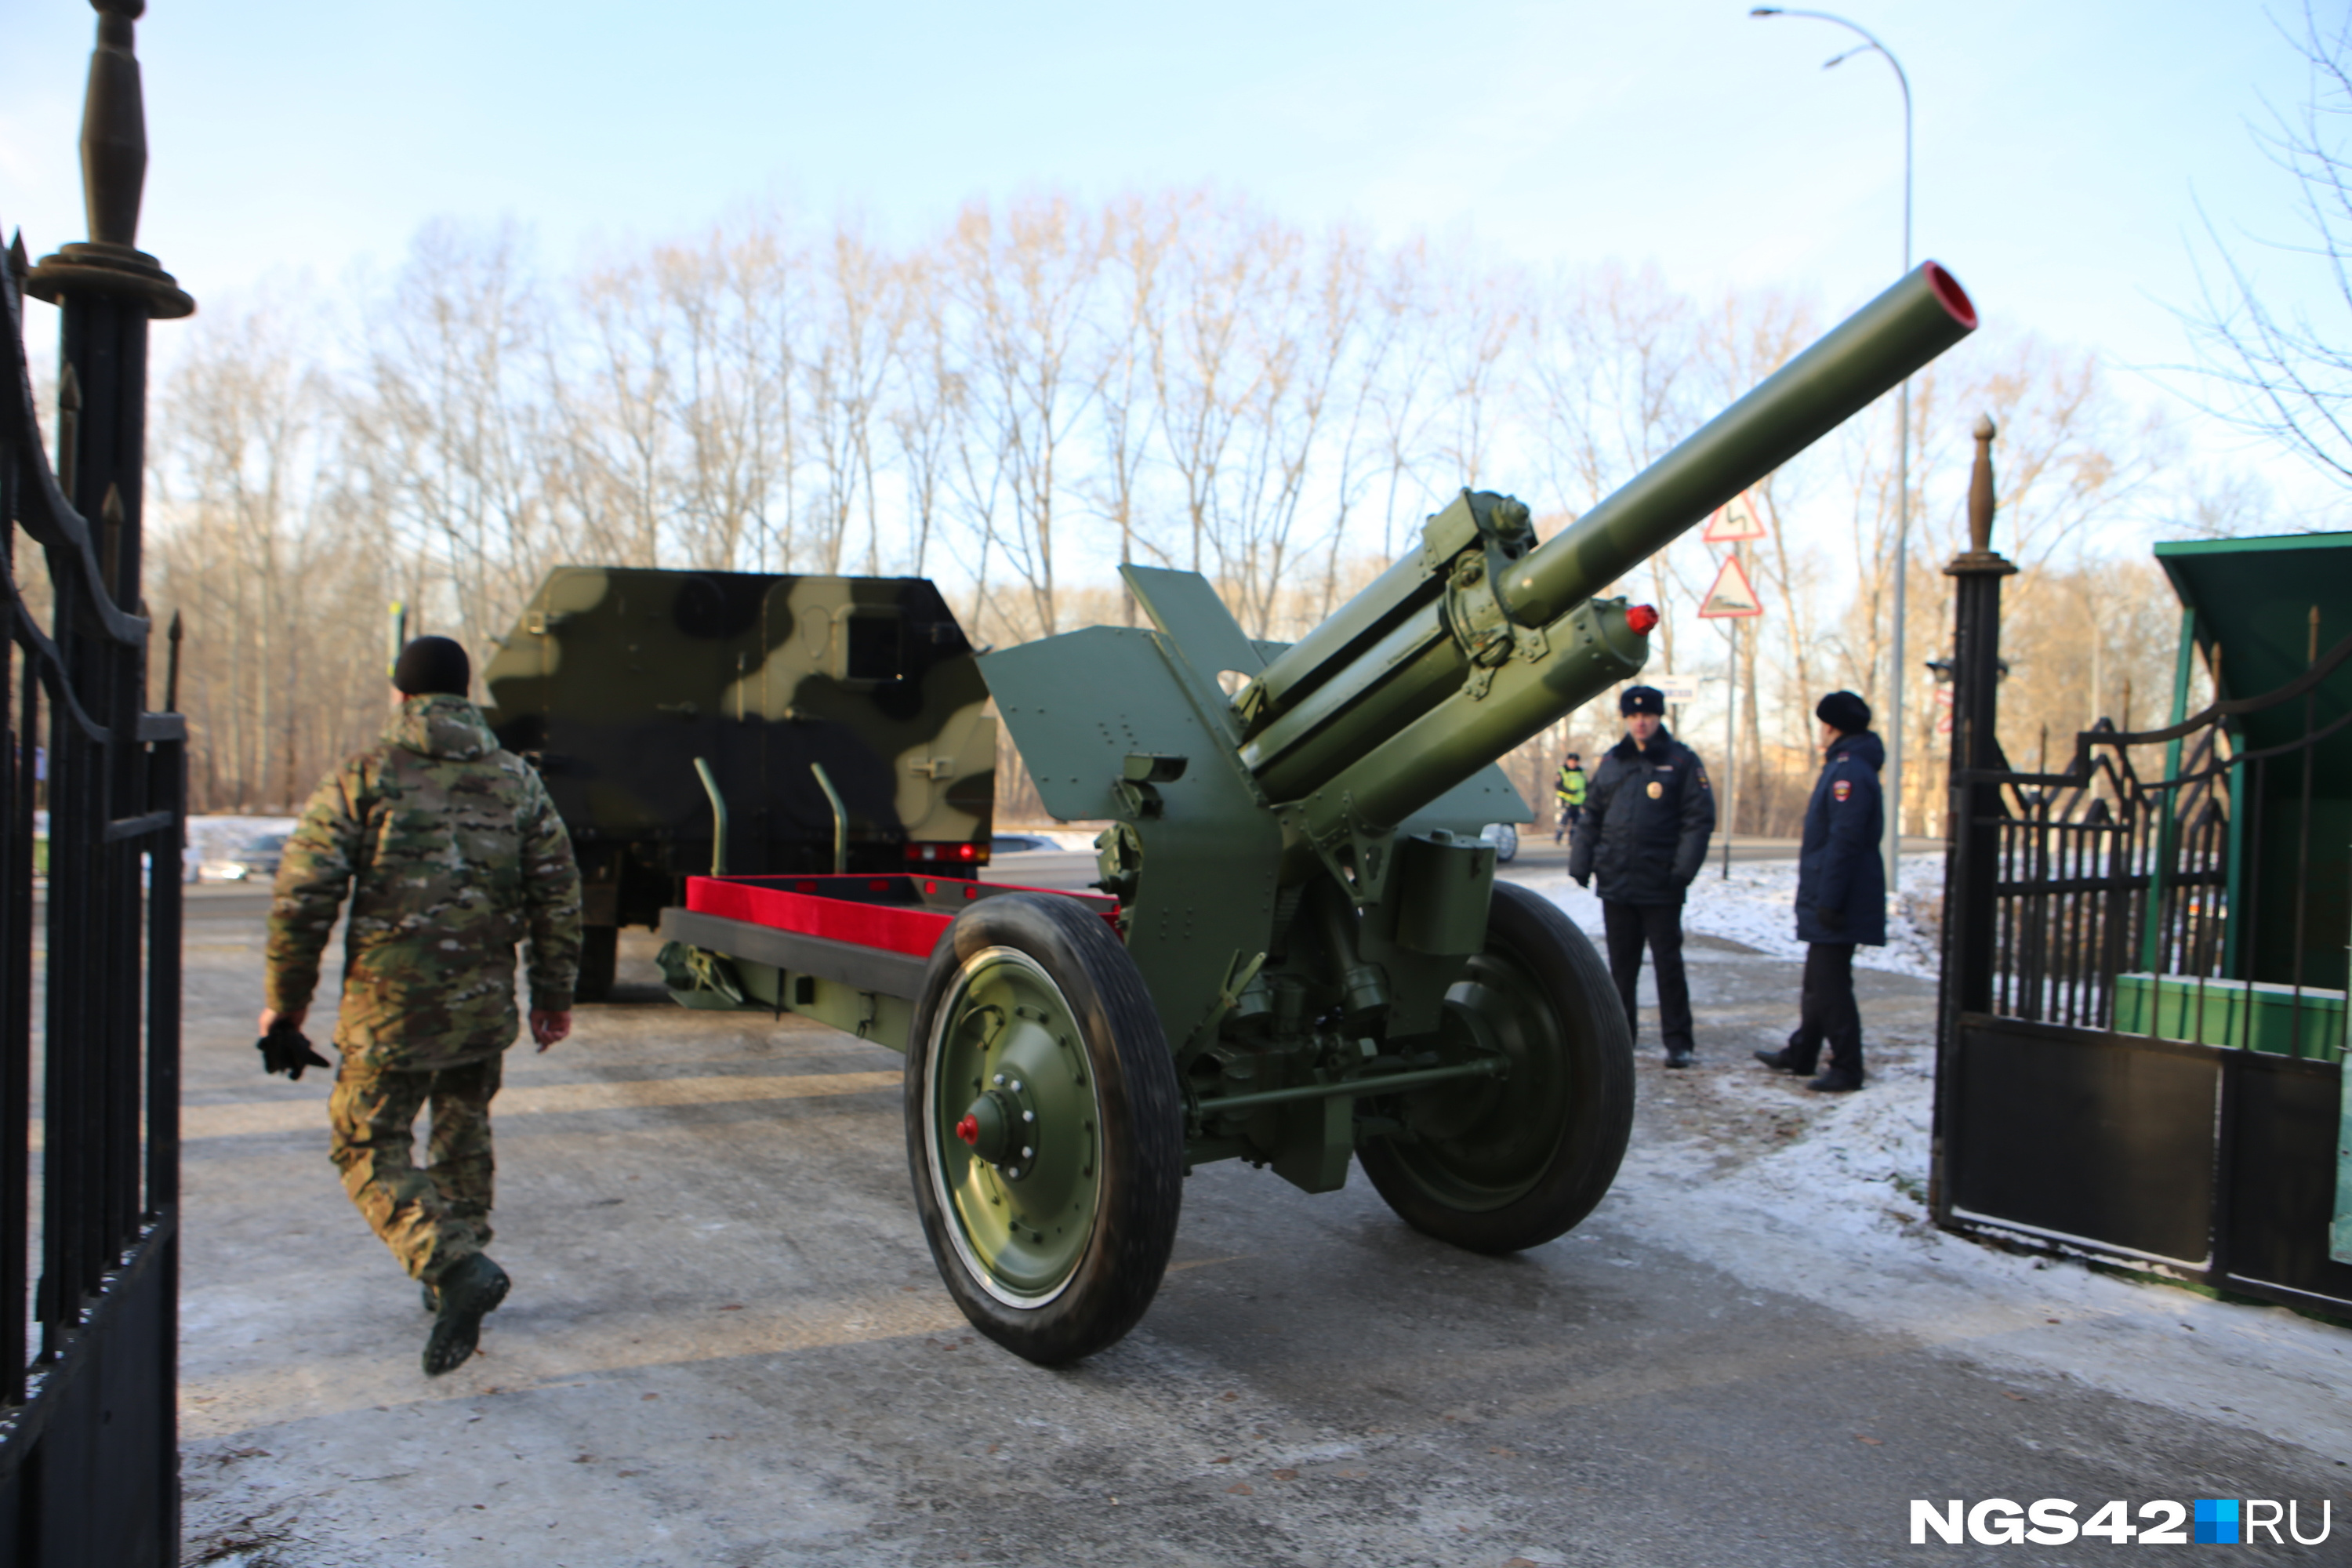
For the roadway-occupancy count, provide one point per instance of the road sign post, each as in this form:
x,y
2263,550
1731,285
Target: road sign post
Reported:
x,y
1734,598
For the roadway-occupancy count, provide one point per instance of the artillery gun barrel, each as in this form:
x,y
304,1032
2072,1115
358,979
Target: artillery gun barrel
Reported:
x,y
1479,640
1869,354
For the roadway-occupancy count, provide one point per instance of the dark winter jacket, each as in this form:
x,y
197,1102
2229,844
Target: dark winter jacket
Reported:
x,y
1647,815
1841,880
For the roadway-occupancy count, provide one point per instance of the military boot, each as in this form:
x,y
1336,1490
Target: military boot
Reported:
x,y
1781,1061
470,1290
1836,1080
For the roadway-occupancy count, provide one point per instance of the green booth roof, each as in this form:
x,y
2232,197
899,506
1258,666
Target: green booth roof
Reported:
x,y
2253,601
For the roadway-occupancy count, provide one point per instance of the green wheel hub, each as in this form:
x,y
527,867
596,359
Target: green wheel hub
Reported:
x,y
1013,1130
1485,1142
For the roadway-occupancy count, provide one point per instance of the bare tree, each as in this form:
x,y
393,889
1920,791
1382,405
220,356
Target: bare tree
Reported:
x,y
2286,373
450,422
1022,287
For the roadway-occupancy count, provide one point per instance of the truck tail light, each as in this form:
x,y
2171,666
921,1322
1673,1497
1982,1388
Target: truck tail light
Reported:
x,y
963,854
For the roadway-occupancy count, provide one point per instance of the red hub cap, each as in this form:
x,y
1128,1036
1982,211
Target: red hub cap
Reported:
x,y
969,1130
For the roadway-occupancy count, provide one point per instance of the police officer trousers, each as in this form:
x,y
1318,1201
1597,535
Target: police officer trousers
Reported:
x,y
1659,927
432,1215
1827,1013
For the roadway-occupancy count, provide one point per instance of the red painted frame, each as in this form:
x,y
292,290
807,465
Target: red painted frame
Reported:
x,y
895,912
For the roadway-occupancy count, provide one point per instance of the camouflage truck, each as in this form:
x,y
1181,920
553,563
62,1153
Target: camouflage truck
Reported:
x,y
618,680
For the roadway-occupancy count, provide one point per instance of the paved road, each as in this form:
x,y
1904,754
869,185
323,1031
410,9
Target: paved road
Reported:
x,y
726,1346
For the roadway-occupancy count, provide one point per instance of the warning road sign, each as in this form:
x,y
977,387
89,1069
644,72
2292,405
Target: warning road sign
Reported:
x,y
1735,522
1732,595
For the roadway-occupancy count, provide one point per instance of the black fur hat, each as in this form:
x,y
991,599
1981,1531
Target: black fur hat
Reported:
x,y
1843,710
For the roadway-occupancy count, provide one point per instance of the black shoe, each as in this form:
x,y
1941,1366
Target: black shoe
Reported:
x,y
1683,1058
1779,1061
1835,1082
471,1290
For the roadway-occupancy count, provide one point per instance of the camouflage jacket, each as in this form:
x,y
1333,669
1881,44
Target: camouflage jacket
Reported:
x,y
452,853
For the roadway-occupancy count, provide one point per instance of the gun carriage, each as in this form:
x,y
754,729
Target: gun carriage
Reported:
x,y
1299,955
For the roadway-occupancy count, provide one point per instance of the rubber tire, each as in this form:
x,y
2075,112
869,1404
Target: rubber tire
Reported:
x,y
1530,933
600,954
1141,1187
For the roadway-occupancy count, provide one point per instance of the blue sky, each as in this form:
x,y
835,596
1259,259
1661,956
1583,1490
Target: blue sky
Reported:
x,y
2062,150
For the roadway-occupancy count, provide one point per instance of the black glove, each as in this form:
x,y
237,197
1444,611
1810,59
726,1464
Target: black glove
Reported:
x,y
284,1050
1585,880
1832,919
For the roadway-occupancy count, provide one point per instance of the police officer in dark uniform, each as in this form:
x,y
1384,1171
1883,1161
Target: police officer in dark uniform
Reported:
x,y
1841,895
1648,814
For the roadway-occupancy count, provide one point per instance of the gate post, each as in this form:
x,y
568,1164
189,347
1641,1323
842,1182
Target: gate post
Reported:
x,y
1973,838
89,1447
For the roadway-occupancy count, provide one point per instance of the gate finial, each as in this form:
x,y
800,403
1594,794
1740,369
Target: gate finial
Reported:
x,y
114,128
1980,491
113,177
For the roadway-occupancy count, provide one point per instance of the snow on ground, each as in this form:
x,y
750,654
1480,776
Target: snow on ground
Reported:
x,y
1824,1197
1756,907
1838,1215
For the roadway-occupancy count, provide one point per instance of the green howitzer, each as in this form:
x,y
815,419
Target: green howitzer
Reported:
x,y
1308,960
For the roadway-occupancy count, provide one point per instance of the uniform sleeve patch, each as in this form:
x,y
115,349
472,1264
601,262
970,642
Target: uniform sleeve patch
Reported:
x,y
1841,788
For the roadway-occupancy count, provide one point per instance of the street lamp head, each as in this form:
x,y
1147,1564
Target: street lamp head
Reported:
x,y
1764,11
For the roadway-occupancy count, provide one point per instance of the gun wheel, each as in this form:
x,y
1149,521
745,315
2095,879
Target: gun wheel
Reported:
x,y
1497,1166
1043,1126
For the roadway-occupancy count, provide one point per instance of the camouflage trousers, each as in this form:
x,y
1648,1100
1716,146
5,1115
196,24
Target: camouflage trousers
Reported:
x,y
439,1213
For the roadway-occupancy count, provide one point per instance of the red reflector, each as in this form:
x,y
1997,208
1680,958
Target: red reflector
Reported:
x,y
969,1130
967,851
1643,619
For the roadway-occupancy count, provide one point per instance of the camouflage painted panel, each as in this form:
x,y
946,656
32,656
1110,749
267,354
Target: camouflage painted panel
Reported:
x,y
619,677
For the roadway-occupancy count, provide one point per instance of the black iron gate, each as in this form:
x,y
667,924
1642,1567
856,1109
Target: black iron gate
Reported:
x,y
2144,1008
92,805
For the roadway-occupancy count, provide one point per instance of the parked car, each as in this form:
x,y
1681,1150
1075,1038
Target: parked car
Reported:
x,y
255,860
1020,843
1505,837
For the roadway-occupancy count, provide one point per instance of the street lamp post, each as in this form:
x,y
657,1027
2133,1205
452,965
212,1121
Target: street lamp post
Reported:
x,y
1902,448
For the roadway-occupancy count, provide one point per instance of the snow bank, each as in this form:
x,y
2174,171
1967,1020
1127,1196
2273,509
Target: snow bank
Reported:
x,y
1755,906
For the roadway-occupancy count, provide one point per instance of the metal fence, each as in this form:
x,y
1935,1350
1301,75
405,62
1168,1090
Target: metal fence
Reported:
x,y
91,807
2144,1002
2103,877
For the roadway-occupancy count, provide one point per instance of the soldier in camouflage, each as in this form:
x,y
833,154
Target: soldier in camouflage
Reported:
x,y
451,853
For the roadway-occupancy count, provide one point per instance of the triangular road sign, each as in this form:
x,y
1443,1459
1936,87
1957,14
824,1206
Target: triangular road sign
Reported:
x,y
1732,595
1735,522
